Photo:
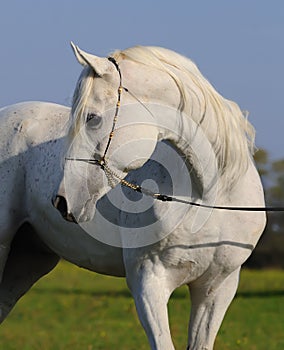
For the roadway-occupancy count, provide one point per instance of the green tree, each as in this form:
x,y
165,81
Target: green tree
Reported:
x,y
269,251
261,160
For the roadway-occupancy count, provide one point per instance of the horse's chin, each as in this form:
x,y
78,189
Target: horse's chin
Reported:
x,y
85,217
86,214
89,209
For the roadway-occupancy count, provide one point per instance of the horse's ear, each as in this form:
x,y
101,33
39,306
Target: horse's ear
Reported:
x,y
100,65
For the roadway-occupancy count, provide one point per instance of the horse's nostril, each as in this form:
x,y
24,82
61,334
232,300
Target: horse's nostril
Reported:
x,y
60,204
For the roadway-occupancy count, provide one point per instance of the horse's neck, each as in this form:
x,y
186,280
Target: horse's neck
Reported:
x,y
194,145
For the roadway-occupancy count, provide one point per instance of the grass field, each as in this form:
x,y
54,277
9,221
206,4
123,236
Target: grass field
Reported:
x,y
75,309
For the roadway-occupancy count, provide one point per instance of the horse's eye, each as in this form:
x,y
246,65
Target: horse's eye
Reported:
x,y
93,120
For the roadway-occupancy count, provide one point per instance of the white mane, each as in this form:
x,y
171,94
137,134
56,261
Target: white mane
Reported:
x,y
234,140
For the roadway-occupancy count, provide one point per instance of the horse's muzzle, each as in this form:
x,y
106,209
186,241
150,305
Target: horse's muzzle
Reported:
x,y
60,203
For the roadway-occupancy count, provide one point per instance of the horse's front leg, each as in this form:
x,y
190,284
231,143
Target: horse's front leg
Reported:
x,y
147,282
209,302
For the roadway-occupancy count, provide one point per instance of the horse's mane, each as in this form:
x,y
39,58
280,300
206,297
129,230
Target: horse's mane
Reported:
x,y
234,140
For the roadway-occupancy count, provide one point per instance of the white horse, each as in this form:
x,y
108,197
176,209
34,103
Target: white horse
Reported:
x,y
186,140
147,119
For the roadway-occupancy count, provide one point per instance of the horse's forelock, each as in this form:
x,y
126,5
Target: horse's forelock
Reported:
x,y
80,97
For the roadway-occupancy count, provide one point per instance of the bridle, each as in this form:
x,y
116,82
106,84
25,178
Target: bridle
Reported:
x,y
112,175
102,162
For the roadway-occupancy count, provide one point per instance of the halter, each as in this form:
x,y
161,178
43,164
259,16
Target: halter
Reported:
x,y
119,92
111,174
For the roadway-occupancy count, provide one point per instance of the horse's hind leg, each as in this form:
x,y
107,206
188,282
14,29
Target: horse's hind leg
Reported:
x,y
28,260
208,309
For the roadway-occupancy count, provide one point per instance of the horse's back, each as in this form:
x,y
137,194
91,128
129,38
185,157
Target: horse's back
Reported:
x,y
22,126
26,122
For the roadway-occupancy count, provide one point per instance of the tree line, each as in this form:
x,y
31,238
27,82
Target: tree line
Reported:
x,y
269,251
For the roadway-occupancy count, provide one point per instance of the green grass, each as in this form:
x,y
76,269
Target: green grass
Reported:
x,y
75,309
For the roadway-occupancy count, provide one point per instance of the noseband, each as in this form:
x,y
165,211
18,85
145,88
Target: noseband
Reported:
x,y
112,175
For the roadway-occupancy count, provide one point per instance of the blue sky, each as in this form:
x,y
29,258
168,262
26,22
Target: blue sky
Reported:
x,y
238,46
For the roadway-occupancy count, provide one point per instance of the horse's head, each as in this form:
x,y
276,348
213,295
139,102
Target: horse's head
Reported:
x,y
112,131
124,105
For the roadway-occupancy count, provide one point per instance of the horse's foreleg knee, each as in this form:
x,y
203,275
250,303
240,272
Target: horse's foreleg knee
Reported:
x,y
151,299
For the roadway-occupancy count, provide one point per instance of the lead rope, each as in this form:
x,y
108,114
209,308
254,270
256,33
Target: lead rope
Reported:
x,y
166,198
111,175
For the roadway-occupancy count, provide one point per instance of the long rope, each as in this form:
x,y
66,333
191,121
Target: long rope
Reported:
x,y
110,174
166,198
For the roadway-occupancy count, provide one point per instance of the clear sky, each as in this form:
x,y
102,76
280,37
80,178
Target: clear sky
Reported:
x,y
238,46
